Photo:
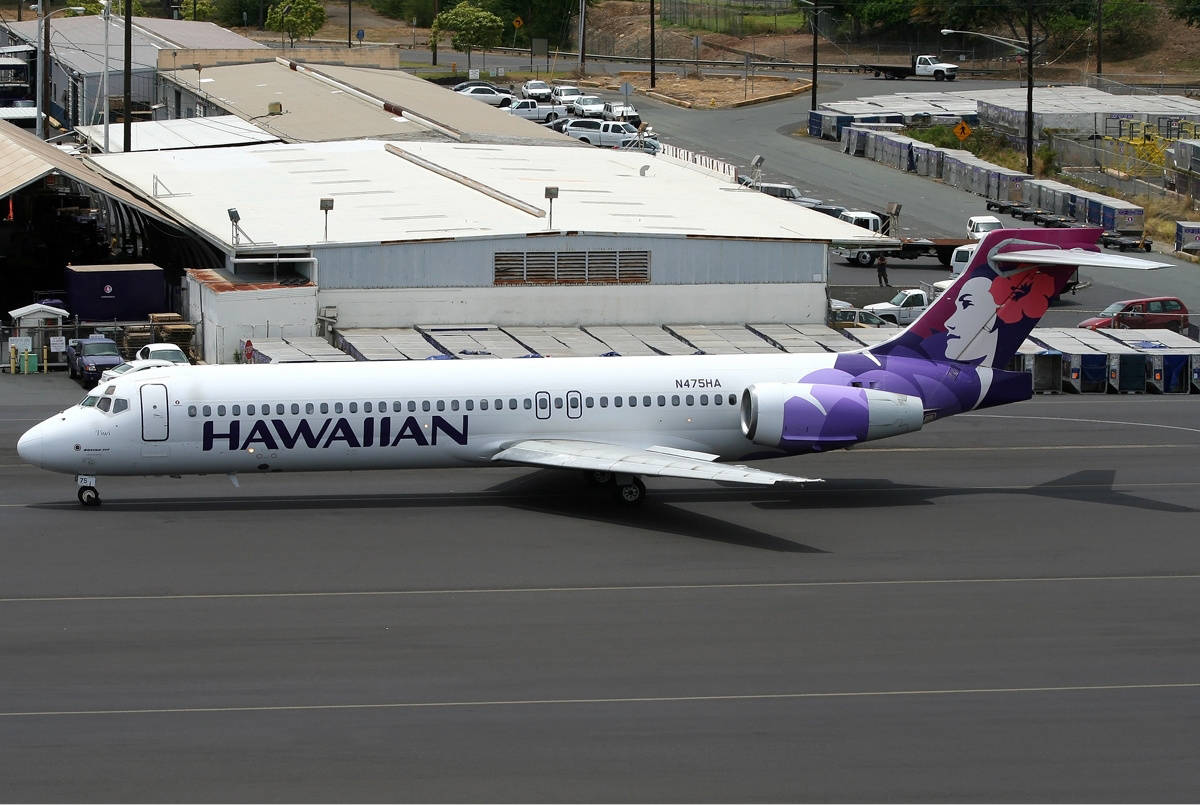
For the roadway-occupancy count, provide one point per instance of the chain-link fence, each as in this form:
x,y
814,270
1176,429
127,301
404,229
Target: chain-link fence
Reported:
x,y
1114,165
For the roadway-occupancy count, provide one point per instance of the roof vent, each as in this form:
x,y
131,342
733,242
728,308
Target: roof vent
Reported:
x,y
275,108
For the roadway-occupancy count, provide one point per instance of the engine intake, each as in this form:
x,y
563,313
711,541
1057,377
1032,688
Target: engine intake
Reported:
x,y
811,416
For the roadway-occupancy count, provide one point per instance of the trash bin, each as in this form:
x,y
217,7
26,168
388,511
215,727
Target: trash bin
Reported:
x,y
29,363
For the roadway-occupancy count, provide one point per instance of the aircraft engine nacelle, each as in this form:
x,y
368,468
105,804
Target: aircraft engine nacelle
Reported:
x,y
812,416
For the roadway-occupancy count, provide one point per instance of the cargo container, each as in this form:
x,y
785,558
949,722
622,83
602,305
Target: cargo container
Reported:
x,y
1186,232
128,292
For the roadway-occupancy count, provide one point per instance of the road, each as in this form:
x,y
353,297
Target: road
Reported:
x,y
1000,607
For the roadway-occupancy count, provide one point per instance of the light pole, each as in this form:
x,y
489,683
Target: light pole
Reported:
x,y
43,87
1027,48
104,78
816,12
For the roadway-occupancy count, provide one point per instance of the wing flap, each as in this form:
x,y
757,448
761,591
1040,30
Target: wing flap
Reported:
x,y
654,461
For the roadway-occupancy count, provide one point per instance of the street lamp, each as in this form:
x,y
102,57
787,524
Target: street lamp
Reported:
x,y
104,79
43,87
816,15
1027,48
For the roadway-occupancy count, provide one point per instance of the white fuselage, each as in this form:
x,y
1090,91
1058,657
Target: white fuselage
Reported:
x,y
378,415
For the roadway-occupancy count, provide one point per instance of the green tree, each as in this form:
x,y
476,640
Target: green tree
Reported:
x,y
470,27
1186,10
1129,26
95,7
236,12
204,11
297,18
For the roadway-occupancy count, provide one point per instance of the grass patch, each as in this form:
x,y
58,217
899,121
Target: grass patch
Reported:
x,y
755,24
983,143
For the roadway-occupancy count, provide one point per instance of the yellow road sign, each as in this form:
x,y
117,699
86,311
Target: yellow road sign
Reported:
x,y
518,22
962,131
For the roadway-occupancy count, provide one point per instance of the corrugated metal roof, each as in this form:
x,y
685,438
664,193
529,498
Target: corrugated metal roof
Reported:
x,y
429,191
78,42
323,102
192,132
24,159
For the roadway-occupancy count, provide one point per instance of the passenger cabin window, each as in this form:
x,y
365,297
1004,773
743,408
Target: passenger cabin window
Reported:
x,y
366,408
512,403
424,405
337,408
309,408
279,409
441,405
354,408
412,406
324,408
220,410
395,406
208,410
191,410
250,410
733,399
483,405
237,410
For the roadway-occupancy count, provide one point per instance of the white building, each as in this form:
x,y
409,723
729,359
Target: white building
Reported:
x,y
437,232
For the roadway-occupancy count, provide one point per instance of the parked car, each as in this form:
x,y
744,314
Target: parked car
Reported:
x,y
853,317
537,90
539,112
648,145
604,133
87,358
136,365
162,351
1157,312
587,106
980,225
621,111
788,192
560,125
564,93
459,87
829,209
489,95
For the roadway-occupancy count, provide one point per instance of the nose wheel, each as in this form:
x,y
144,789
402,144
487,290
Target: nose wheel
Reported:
x,y
87,493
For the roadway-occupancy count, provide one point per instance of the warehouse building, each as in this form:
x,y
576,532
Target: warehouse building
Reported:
x,y
368,233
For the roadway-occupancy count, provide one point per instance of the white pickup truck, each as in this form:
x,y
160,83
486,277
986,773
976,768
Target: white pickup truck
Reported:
x,y
530,109
904,307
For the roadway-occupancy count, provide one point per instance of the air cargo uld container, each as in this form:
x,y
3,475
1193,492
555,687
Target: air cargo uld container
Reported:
x,y
1186,232
1121,216
128,292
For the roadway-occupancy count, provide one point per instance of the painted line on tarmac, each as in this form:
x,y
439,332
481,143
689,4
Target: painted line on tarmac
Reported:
x,y
733,697
1090,421
592,589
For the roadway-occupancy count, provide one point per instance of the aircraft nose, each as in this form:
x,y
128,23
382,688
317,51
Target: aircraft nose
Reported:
x,y
31,447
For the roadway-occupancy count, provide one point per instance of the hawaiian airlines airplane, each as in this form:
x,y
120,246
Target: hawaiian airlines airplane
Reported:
x,y
615,419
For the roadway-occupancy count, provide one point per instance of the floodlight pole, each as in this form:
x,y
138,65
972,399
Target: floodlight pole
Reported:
x,y
104,78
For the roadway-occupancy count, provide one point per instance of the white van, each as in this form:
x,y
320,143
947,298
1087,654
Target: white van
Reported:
x,y
960,259
980,225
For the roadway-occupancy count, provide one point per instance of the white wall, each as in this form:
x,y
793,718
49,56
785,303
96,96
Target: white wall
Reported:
x,y
797,303
228,318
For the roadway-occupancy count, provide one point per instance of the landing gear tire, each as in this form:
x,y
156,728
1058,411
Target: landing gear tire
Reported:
x,y
88,496
631,493
597,477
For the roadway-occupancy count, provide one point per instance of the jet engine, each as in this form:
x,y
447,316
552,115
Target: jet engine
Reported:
x,y
811,416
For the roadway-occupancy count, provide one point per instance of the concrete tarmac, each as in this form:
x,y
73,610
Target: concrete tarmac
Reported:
x,y
1000,607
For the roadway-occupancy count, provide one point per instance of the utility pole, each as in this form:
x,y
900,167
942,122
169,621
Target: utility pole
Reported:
x,y
815,12
652,44
1029,97
1099,37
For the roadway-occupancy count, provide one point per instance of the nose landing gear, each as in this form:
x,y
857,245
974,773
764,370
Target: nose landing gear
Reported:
x,y
87,493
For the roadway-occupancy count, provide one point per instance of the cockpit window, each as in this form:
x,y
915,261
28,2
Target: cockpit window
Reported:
x,y
104,404
120,404
89,401
110,390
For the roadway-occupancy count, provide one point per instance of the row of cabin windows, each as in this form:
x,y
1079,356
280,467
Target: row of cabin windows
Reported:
x,y
498,404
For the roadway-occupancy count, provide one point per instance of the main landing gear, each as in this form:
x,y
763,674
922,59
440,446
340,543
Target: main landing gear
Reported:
x,y
87,493
627,489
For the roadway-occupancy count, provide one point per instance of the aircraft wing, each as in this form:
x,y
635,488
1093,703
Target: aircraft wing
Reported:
x,y
1076,257
663,461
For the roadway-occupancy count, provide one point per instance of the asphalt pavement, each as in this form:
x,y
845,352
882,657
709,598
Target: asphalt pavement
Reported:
x,y
999,607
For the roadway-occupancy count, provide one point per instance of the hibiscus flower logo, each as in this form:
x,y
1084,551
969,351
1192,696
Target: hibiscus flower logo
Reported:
x,y
1024,295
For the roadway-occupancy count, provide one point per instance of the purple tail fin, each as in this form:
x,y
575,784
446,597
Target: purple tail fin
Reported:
x,y
983,318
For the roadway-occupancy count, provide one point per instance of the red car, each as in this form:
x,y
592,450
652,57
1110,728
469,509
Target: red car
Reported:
x,y
1156,312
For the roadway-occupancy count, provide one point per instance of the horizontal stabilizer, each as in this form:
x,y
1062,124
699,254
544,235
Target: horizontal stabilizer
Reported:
x,y
614,458
1076,257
